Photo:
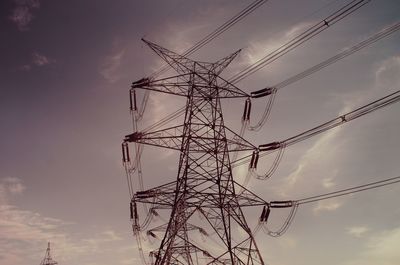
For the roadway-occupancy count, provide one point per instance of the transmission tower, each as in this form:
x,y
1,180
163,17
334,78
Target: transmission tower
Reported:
x,y
204,184
47,260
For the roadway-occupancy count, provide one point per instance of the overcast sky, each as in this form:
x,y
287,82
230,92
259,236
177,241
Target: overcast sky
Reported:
x,y
65,72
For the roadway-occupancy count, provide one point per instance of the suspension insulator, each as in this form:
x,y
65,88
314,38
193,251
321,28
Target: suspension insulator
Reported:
x,y
135,214
131,210
270,146
128,157
154,212
248,110
130,101
134,101
202,231
281,204
150,233
253,156
245,110
265,214
123,153
254,159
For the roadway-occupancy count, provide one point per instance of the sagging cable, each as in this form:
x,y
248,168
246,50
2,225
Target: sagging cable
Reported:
x,y
289,219
267,111
275,163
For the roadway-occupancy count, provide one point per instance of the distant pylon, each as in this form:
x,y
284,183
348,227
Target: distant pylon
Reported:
x,y
47,260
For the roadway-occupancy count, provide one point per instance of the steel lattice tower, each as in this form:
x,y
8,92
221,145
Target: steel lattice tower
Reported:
x,y
47,260
204,183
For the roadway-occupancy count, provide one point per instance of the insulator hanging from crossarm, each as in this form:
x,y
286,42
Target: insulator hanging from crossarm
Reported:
x,y
131,210
150,233
132,100
265,214
269,146
202,231
263,92
254,160
154,212
134,213
247,110
125,153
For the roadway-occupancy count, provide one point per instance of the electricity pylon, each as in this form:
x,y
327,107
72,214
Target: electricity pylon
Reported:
x,y
47,260
204,184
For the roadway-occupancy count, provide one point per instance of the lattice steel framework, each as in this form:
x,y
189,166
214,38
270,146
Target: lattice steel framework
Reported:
x,y
48,260
204,185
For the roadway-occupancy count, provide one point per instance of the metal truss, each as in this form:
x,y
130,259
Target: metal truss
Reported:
x,y
204,188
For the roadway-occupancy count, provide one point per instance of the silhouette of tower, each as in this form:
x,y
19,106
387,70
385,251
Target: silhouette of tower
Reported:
x,y
47,260
204,184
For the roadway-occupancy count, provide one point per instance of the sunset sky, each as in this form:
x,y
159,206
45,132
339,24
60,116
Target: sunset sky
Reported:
x,y
65,72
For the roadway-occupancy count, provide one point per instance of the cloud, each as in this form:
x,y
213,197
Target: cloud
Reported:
x,y
25,233
22,14
259,49
382,249
37,60
357,231
40,59
312,158
328,182
387,74
10,186
111,66
328,205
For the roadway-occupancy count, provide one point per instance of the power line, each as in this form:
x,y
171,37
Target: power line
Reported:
x,y
386,32
359,112
218,31
352,190
372,39
314,30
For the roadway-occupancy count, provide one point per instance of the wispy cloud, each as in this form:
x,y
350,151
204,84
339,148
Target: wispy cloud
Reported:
x,y
387,74
111,66
380,249
10,186
357,231
22,229
37,60
330,205
258,49
22,14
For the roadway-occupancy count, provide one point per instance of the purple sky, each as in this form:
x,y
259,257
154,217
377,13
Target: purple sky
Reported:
x,y
65,72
